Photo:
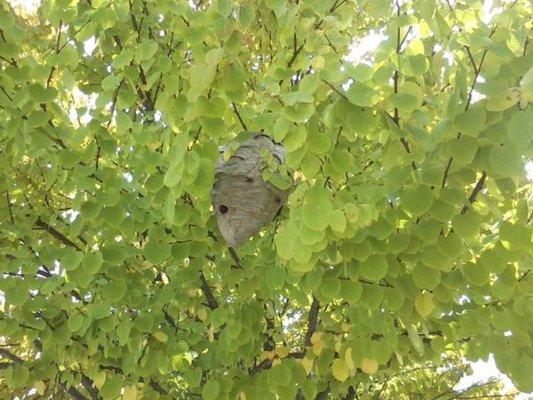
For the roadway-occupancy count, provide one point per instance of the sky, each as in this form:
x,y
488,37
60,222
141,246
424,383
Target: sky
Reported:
x,y
482,370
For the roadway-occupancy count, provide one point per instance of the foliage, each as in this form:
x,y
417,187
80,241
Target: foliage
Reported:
x,y
404,248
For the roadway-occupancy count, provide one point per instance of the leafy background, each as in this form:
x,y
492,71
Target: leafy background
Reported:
x,y
403,252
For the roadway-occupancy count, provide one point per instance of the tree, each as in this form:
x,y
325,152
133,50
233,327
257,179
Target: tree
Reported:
x,y
403,251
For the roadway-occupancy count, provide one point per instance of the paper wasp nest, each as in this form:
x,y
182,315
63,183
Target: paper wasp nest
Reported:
x,y
243,202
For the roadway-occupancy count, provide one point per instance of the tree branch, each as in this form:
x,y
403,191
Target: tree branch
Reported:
x,y
312,321
57,50
11,356
296,51
8,200
479,186
56,234
335,89
211,300
239,116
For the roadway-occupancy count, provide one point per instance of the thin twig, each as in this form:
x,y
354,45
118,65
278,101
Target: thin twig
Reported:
x,y
211,300
11,356
335,89
479,186
235,257
9,207
312,321
236,111
56,51
56,234
296,51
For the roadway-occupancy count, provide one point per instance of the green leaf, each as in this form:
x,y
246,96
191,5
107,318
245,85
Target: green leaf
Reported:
x,y
75,322
463,149
275,277
424,304
374,268
111,388
417,200
515,236
466,225
316,209
110,82
476,274
426,278
200,78
156,252
295,138
471,122
416,65
340,370
505,161
360,94
211,390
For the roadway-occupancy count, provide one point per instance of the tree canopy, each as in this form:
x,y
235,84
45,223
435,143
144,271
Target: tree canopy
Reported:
x,y
403,250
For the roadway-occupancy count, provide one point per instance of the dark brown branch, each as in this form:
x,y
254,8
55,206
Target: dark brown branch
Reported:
x,y
211,300
451,386
238,116
265,364
56,51
395,79
445,176
479,186
7,94
335,89
296,51
56,234
476,71
323,395
235,257
74,393
312,321
9,207
351,394
157,387
401,43
88,384
113,105
11,356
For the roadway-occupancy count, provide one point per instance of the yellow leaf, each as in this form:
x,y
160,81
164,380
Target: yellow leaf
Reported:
x,y
99,379
240,396
340,370
266,355
369,365
130,393
424,304
399,358
282,351
316,337
307,363
348,358
346,327
317,347
318,62
40,387
202,314
162,337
